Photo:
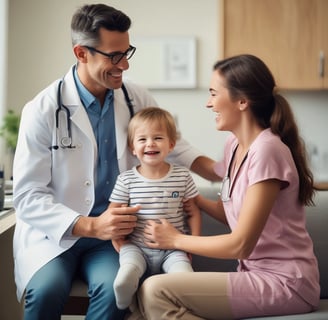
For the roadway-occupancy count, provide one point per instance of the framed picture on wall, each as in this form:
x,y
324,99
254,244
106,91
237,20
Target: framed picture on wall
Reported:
x,y
164,62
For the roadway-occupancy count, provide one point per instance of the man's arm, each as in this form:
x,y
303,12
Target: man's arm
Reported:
x,y
204,167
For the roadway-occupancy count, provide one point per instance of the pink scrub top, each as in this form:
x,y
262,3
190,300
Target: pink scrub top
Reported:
x,y
282,271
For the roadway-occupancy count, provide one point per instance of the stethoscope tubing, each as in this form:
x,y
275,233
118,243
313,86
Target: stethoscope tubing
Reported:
x,y
66,141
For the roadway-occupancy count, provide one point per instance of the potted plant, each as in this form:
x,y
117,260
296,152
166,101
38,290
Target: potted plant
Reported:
x,y
9,129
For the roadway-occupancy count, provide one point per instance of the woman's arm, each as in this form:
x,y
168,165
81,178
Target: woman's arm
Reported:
x,y
194,218
213,208
238,244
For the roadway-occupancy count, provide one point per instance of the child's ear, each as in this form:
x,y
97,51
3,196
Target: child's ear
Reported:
x,y
172,145
131,149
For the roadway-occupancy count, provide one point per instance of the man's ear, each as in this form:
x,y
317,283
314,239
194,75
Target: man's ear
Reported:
x,y
81,53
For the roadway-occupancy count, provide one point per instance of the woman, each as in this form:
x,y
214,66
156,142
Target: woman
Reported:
x,y
267,184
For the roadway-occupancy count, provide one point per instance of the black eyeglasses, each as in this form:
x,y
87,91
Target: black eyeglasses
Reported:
x,y
115,57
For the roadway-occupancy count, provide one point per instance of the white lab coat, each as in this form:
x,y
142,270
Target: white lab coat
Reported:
x,y
52,187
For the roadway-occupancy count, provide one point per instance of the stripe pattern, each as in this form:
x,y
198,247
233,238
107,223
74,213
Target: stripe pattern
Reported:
x,y
159,199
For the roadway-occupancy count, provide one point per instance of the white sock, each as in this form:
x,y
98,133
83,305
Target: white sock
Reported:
x,y
126,284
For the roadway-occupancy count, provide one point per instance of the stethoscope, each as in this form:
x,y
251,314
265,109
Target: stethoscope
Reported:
x,y
227,186
66,140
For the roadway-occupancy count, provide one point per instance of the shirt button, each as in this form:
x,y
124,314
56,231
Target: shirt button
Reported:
x,y
87,183
88,201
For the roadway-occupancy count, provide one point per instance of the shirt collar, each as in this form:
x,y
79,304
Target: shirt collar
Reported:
x,y
87,98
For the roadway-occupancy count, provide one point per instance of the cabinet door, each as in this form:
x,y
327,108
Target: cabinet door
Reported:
x,y
283,33
323,67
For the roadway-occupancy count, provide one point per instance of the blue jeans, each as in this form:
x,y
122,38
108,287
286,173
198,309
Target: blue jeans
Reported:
x,y
96,262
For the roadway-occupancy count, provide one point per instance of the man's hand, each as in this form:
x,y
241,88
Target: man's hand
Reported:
x,y
113,223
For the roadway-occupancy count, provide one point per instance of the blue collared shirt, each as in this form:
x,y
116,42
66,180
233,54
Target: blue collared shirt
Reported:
x,y
103,124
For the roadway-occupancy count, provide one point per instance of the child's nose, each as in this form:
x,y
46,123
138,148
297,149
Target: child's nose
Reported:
x,y
151,142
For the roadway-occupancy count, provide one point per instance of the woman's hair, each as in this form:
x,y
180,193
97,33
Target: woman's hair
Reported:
x,y
246,76
88,19
151,115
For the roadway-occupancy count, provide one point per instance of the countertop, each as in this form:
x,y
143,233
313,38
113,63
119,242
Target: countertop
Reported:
x,y
321,186
7,220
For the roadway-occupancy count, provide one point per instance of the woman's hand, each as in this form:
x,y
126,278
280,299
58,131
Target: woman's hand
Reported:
x,y
160,235
194,216
190,206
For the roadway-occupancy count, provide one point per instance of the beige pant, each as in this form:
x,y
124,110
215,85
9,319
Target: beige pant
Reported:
x,y
189,296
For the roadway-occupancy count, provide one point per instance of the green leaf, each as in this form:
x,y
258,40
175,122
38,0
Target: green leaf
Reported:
x,y
9,129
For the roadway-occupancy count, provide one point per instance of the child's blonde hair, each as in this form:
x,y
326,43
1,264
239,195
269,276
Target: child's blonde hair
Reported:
x,y
151,115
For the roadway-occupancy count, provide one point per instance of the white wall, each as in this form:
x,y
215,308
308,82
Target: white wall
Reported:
x,y
40,51
311,113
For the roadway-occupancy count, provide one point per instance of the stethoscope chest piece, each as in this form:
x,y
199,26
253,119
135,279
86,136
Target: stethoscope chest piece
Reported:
x,y
66,142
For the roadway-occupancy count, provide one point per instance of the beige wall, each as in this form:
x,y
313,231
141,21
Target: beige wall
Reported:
x,y
39,37
39,51
3,68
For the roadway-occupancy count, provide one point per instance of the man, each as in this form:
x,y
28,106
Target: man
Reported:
x,y
72,145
